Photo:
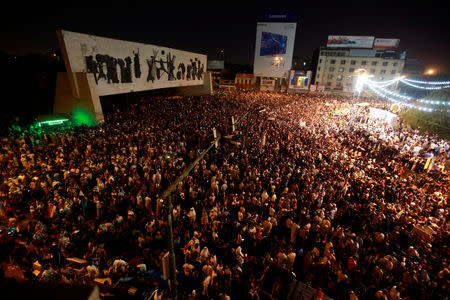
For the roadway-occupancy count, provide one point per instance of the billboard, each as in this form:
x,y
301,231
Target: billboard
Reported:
x,y
274,49
122,66
347,41
272,43
215,64
386,43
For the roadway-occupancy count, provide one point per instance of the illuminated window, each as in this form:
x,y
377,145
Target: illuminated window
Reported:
x,y
331,69
330,76
339,78
341,69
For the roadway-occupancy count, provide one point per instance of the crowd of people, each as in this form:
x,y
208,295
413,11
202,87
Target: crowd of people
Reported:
x,y
308,183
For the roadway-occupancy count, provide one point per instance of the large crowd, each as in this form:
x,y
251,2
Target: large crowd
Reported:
x,y
307,183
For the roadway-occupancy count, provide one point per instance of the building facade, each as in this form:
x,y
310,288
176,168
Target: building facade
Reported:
x,y
245,81
338,68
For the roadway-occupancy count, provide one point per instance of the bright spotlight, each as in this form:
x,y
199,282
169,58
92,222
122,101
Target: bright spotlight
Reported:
x,y
362,78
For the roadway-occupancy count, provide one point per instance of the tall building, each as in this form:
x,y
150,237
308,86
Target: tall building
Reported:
x,y
274,48
345,57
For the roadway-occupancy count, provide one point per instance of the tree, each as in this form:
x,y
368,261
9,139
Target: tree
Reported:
x,y
442,94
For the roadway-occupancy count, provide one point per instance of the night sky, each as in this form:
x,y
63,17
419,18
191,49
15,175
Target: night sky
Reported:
x,y
423,29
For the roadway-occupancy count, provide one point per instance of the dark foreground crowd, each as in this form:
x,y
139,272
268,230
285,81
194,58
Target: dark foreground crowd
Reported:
x,y
308,184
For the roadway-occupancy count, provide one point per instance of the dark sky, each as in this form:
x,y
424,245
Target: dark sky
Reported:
x,y
423,29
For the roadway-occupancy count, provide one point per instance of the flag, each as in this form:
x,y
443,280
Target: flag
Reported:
x,y
427,163
215,137
289,136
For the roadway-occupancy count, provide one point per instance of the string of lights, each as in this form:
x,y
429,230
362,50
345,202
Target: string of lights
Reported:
x,y
392,93
380,91
434,102
385,95
383,83
424,87
427,82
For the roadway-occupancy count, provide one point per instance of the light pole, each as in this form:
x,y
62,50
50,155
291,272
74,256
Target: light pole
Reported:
x,y
360,81
168,196
398,79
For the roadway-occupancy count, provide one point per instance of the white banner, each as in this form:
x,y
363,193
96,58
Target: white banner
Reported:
x,y
215,137
316,88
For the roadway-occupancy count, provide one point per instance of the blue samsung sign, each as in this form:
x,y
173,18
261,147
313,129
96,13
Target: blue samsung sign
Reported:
x,y
278,16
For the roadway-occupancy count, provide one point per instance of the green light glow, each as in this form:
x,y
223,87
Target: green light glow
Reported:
x,y
82,116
